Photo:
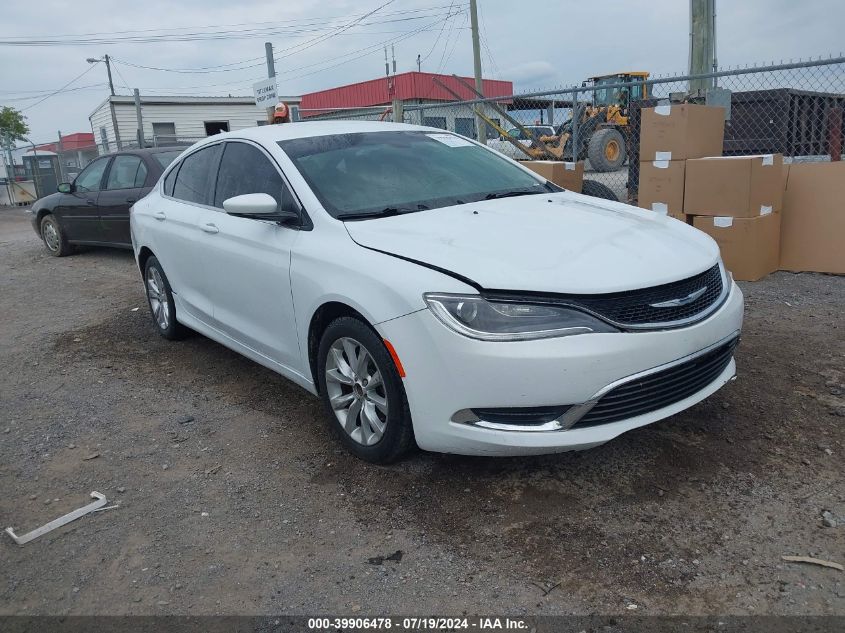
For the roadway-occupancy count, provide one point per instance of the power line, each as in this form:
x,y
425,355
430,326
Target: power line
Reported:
x,y
36,94
195,36
320,20
439,34
79,76
365,51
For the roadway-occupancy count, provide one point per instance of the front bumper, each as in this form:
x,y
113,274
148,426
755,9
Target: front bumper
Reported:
x,y
448,374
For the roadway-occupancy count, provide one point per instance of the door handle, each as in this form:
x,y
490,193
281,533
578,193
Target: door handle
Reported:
x,y
91,203
130,200
210,228
160,215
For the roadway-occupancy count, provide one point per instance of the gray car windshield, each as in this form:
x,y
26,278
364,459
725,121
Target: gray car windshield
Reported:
x,y
371,174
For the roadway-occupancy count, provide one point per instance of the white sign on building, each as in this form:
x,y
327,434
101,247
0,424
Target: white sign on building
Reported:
x,y
266,95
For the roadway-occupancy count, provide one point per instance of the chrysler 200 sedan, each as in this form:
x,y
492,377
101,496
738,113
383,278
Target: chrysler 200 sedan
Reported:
x,y
434,292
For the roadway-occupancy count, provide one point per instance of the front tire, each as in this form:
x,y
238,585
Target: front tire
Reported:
x,y
363,392
160,300
54,237
606,150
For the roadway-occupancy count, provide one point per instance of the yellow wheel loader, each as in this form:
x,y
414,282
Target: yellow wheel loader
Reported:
x,y
603,133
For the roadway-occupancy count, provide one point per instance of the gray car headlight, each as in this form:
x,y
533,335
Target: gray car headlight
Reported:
x,y
474,316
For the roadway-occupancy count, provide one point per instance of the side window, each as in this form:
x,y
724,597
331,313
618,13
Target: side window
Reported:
x,y
141,175
91,176
194,181
124,172
170,180
245,169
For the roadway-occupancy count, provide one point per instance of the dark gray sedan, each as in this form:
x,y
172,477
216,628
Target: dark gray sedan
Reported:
x,y
94,208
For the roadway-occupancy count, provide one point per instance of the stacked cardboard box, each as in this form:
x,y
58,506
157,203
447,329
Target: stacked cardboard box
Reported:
x,y
567,175
738,200
669,135
813,218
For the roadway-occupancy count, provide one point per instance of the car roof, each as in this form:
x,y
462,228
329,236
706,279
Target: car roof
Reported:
x,y
268,134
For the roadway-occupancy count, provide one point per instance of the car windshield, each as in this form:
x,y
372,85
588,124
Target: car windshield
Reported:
x,y
165,158
403,171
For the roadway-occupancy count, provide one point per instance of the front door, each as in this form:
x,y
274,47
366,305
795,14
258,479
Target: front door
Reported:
x,y
77,211
247,261
124,186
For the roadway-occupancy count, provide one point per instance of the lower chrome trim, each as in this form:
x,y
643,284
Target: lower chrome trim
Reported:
x,y
578,411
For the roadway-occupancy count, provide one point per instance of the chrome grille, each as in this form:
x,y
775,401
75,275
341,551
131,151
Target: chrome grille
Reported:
x,y
668,305
661,389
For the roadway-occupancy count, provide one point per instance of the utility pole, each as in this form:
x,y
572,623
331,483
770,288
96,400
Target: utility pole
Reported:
x,y
140,133
480,124
419,64
108,70
271,73
702,43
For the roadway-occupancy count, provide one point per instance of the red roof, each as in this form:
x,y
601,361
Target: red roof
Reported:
x,y
78,140
405,86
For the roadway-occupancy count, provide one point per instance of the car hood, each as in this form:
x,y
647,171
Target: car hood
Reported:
x,y
557,243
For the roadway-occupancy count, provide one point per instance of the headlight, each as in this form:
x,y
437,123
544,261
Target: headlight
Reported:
x,y
474,316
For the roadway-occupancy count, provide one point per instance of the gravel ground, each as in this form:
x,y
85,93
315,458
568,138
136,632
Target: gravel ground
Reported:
x,y
234,498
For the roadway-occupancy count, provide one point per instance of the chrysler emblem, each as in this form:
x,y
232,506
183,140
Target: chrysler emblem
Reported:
x,y
681,301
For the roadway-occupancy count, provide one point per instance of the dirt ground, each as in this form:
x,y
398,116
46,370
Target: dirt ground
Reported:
x,y
235,499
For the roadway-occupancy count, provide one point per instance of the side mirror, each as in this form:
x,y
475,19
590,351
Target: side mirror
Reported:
x,y
260,206
65,187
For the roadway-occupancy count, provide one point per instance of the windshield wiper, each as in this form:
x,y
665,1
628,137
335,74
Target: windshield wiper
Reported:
x,y
509,194
384,213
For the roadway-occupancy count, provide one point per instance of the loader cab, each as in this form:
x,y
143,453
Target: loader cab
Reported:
x,y
620,97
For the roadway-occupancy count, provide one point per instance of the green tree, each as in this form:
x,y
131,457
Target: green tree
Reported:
x,y
13,124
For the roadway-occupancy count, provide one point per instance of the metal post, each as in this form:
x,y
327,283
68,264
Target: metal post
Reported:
x,y
59,153
114,125
834,126
702,42
108,70
480,125
271,72
575,123
10,169
398,111
140,119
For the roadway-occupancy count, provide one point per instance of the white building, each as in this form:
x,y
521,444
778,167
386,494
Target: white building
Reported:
x,y
169,120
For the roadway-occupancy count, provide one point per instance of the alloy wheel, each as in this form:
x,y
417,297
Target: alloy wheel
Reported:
x,y
51,235
157,296
356,391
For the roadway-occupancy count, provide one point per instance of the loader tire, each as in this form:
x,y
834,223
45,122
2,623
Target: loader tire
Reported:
x,y
606,150
598,190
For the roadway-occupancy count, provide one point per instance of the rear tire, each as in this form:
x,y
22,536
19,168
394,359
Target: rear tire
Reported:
x,y
54,238
606,150
363,393
598,190
160,300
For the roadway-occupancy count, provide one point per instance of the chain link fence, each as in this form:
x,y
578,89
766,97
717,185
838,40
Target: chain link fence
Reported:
x,y
795,109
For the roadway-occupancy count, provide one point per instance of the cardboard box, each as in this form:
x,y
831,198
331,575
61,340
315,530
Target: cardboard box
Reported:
x,y
678,132
567,175
813,223
736,186
750,246
662,186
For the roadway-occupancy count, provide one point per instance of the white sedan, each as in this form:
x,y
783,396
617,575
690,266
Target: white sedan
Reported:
x,y
433,292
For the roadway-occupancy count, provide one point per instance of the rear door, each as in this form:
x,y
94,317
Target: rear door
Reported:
x,y
77,211
187,191
246,261
124,186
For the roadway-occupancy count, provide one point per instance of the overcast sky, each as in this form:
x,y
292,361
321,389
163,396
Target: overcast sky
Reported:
x,y
535,43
